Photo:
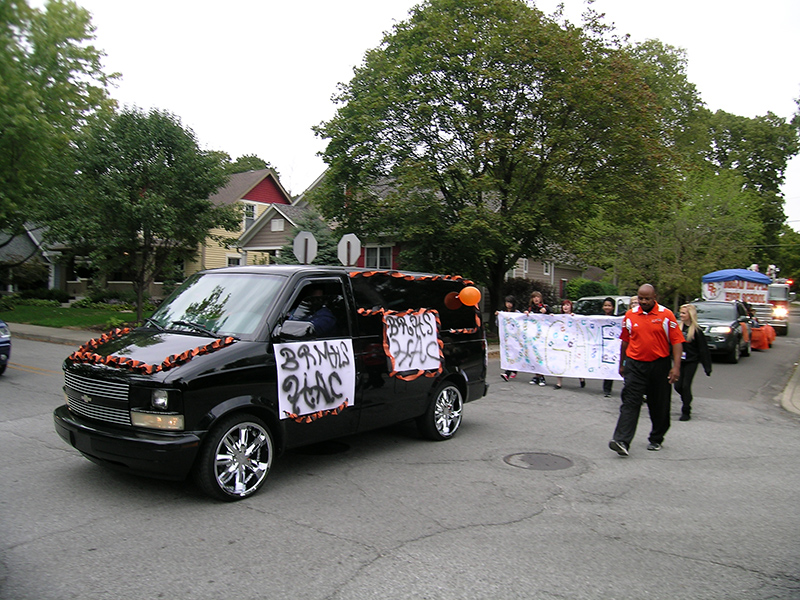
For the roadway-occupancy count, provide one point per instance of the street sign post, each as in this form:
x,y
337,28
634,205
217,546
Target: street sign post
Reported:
x,y
349,249
305,247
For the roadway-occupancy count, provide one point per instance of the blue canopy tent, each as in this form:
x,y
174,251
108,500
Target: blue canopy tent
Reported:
x,y
734,274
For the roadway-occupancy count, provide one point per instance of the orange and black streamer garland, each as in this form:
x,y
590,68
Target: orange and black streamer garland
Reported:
x,y
316,415
86,354
408,277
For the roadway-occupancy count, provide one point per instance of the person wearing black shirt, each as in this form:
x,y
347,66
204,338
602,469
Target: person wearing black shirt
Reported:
x,y
695,351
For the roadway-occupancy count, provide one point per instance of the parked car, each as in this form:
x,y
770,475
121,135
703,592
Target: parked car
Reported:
x,y
593,305
241,363
726,326
5,346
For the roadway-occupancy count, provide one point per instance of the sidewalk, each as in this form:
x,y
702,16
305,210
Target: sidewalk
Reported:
x,y
790,400
53,335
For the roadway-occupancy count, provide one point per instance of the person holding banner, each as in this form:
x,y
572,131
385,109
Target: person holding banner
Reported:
x,y
510,306
649,362
567,309
608,310
537,305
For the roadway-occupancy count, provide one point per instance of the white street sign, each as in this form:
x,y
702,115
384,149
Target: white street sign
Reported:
x,y
305,247
349,249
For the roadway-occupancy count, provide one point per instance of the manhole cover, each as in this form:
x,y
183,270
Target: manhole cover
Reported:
x,y
538,461
323,448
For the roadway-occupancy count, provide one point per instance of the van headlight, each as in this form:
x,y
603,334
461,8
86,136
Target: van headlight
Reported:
x,y
160,399
720,329
161,413
157,420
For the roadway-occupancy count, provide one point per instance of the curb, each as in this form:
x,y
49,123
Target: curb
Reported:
x,y
790,399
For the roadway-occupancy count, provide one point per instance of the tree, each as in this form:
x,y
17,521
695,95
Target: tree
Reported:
x,y
714,227
51,79
248,162
758,150
482,131
327,250
141,202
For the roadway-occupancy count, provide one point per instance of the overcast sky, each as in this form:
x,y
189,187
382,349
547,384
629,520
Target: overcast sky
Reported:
x,y
253,76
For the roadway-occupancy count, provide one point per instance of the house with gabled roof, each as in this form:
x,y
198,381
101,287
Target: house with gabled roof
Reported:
x,y
257,192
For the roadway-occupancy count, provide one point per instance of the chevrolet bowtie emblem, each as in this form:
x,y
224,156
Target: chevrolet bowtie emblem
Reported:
x,y
86,398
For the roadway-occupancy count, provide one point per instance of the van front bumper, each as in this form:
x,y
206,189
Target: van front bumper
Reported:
x,y
161,455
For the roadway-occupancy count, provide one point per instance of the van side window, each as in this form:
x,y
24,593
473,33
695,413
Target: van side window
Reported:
x,y
322,304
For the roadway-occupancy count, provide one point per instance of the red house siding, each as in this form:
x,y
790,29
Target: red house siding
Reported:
x,y
266,192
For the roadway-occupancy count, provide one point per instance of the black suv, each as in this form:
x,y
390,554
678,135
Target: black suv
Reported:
x,y
726,326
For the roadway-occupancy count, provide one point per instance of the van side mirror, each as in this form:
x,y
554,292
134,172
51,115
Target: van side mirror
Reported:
x,y
295,330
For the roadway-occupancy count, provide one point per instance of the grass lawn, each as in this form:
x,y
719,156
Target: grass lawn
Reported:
x,y
75,318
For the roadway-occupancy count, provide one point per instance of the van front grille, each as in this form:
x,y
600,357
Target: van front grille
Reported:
x,y
98,399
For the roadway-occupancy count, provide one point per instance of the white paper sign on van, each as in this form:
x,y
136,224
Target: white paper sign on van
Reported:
x,y
315,379
412,343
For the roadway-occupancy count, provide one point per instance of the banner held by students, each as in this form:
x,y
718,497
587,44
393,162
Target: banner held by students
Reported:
x,y
560,345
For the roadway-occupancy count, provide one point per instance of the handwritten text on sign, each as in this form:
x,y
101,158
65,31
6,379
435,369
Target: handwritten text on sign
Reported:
x,y
315,376
412,343
560,345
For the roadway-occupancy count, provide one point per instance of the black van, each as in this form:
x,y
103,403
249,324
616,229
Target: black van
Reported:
x,y
241,363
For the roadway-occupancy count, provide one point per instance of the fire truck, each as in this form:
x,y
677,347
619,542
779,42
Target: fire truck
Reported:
x,y
779,296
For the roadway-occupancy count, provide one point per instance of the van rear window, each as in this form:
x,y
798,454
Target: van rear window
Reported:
x,y
381,291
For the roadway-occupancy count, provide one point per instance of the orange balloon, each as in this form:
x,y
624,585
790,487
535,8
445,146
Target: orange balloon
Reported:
x,y
470,296
452,302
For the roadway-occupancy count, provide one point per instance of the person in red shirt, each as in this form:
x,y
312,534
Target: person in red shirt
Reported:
x,y
649,363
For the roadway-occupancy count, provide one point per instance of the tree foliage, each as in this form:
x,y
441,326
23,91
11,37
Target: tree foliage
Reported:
x,y
759,150
713,227
483,131
247,162
141,199
51,79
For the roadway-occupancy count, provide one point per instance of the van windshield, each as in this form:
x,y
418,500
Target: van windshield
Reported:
x,y
220,303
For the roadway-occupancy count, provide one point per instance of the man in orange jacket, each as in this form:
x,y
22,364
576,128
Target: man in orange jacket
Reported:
x,y
649,363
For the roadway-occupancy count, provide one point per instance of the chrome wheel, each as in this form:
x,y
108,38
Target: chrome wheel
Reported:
x,y
443,417
237,458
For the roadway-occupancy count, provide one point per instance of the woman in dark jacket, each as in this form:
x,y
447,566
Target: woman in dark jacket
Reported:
x,y
695,350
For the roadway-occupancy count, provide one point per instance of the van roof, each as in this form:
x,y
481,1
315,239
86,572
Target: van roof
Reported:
x,y
288,270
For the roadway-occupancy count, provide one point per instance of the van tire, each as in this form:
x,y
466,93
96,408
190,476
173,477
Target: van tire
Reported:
x,y
443,416
235,458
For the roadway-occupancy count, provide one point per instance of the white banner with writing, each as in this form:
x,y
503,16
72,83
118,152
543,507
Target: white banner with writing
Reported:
x,y
315,376
560,345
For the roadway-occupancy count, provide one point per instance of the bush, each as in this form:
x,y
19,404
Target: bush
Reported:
x,y
38,302
581,287
45,294
7,302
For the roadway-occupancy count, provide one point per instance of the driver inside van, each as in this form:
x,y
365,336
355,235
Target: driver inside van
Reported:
x,y
313,309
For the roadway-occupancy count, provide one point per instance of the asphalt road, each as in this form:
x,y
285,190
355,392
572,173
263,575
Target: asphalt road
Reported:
x,y
387,515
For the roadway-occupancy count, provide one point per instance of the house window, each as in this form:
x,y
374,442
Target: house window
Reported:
x,y
277,225
234,261
378,257
524,265
546,267
249,215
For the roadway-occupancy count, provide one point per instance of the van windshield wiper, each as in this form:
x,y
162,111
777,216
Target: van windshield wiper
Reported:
x,y
197,327
154,323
